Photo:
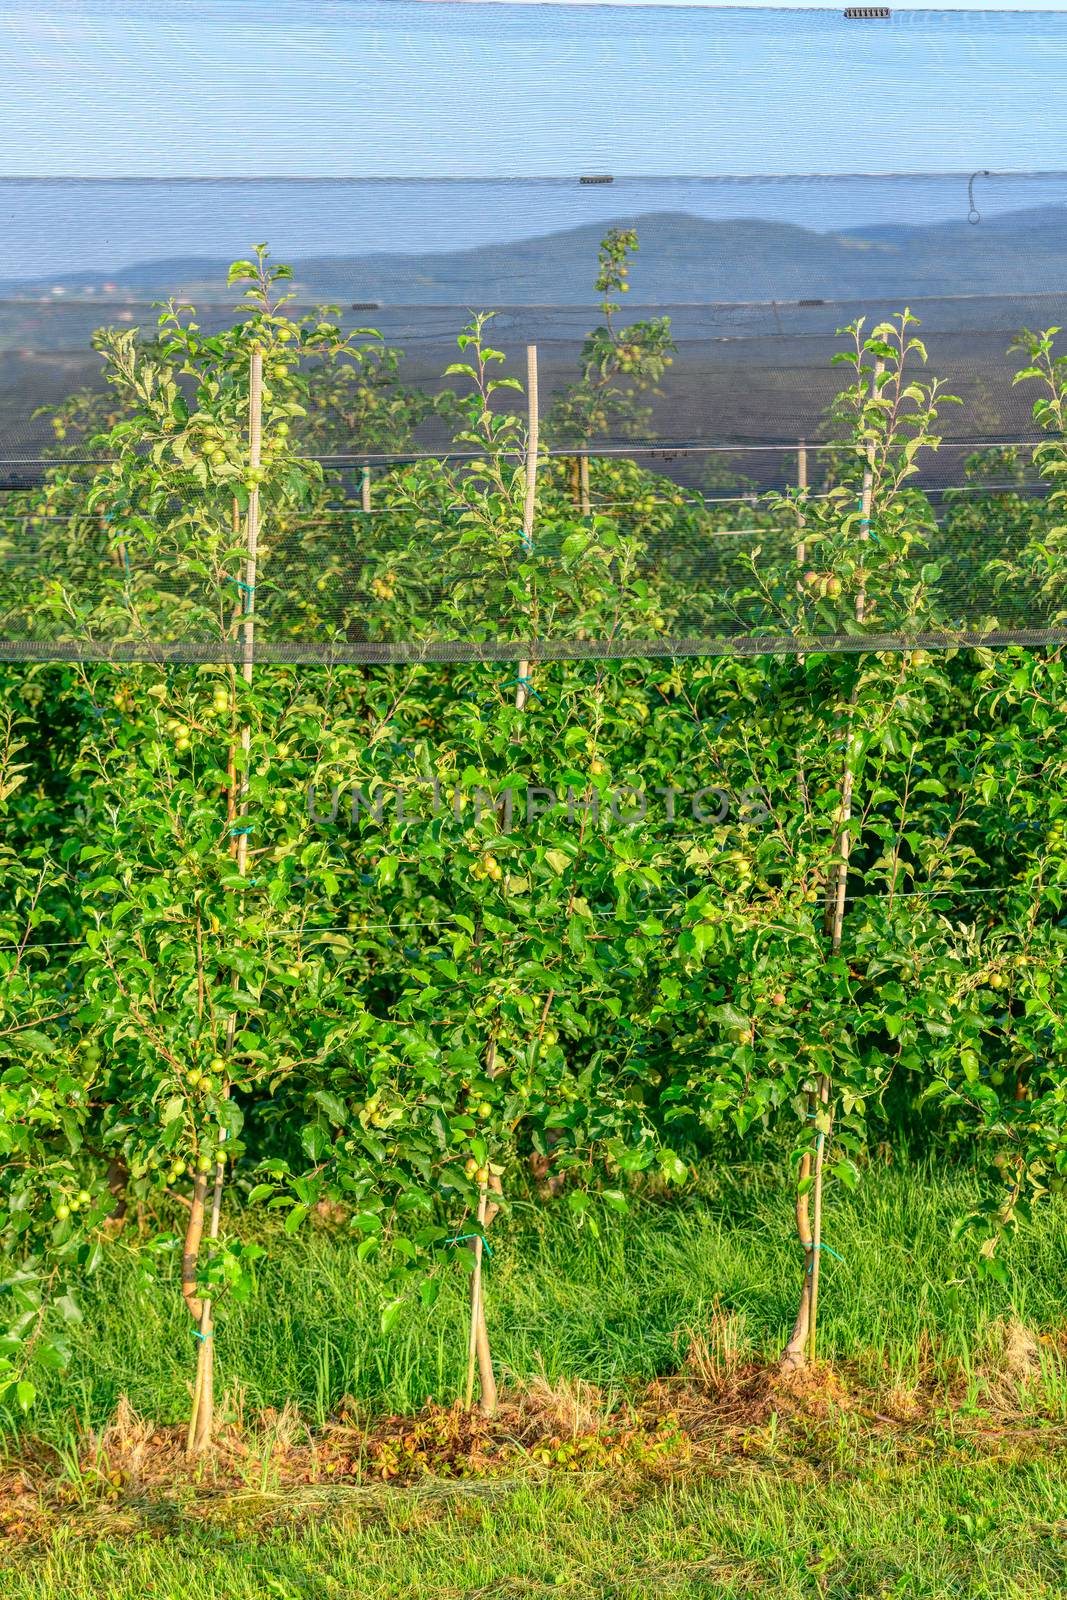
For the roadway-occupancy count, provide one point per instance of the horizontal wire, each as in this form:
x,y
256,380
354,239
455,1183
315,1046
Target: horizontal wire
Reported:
x,y
518,179
739,645
689,500
603,915
669,448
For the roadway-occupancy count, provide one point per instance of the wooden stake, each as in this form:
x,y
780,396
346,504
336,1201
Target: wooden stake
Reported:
x,y
364,489
802,485
472,1341
583,484
836,902
867,495
201,1424
479,1332
795,1353
479,1343
816,1222
530,499
836,908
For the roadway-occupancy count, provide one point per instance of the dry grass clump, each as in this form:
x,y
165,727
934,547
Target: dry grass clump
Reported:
x,y
723,1405
717,1351
1010,1361
564,1405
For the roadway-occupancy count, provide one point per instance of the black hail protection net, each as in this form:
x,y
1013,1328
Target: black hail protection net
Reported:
x,y
704,481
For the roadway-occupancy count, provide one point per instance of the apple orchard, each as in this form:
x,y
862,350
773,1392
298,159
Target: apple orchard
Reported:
x,y
398,940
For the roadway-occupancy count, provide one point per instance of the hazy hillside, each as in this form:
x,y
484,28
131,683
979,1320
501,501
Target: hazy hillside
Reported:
x,y
682,258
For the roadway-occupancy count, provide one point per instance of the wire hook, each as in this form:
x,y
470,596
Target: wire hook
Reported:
x,y
974,216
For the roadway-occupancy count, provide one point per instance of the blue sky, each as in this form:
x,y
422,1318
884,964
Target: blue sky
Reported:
x,y
389,88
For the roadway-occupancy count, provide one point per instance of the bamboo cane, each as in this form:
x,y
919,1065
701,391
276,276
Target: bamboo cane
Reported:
x,y
802,486
479,1328
530,497
479,1334
837,906
201,1425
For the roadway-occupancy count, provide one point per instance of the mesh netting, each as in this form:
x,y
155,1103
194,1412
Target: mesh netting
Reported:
x,y
747,280
297,87
754,301
672,575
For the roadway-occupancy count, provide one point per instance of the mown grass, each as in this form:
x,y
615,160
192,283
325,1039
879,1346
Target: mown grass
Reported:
x,y
976,1529
952,1503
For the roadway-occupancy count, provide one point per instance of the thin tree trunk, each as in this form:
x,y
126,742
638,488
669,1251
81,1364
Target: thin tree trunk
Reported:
x,y
802,1343
816,1232
205,1410
479,1344
194,1229
118,1177
795,1353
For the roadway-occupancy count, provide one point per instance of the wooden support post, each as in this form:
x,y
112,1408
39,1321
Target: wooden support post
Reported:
x,y
364,490
201,1425
479,1332
802,486
530,497
836,907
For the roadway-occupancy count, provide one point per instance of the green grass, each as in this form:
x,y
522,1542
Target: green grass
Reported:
x,y
823,1507
972,1529
565,1304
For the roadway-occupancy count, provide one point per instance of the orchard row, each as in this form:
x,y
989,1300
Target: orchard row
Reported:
x,y
219,996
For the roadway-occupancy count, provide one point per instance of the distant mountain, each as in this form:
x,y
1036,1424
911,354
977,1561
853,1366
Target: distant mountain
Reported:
x,y
681,258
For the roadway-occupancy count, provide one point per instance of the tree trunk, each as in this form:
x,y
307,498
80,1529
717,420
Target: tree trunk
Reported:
x,y
118,1176
804,1329
486,1375
194,1232
478,1347
202,1419
795,1353
816,1232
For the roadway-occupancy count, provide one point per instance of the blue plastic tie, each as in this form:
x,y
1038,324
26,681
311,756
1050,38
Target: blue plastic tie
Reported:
x,y
522,682
201,1336
235,831
247,589
813,1247
462,1237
